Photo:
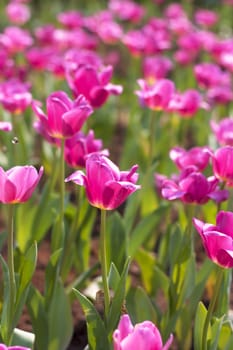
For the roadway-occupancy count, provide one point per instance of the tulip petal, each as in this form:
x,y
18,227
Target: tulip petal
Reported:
x,y
225,258
115,193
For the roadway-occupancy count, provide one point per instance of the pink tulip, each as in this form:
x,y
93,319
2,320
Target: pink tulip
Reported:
x,y
156,67
18,13
218,240
18,183
106,186
4,347
186,103
15,96
127,10
210,75
223,164
64,117
191,186
223,131
93,84
15,39
80,146
70,19
205,17
197,156
142,336
5,126
157,96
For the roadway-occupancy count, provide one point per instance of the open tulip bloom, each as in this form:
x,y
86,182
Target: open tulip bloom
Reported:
x,y
64,117
142,336
106,186
218,240
18,183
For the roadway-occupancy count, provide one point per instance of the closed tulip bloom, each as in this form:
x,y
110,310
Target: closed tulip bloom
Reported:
x,y
142,336
64,117
223,164
197,156
218,240
18,183
106,186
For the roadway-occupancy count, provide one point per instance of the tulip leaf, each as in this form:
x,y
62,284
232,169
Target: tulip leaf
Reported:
x,y
60,320
97,334
38,316
199,325
116,241
140,307
25,273
152,276
51,275
144,228
118,300
113,277
5,303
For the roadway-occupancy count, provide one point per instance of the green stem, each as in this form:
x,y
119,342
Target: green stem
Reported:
x,y
61,237
71,236
62,187
219,277
152,138
103,260
10,262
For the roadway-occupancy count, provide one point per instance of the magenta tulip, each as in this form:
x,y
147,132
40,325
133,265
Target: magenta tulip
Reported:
x,y
218,240
106,186
142,336
191,186
18,183
157,96
223,131
80,146
4,347
64,116
93,84
223,164
197,156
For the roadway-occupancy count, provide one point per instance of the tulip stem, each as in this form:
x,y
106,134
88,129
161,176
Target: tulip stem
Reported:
x,y
152,138
10,262
219,277
103,260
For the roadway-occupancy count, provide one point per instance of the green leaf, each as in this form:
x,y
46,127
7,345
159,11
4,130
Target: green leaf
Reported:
x,y
60,322
152,276
144,229
5,302
25,273
51,275
97,334
118,300
38,316
140,307
226,336
113,277
116,241
199,325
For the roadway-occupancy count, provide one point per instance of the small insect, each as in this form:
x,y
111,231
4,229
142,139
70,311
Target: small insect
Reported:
x,y
15,140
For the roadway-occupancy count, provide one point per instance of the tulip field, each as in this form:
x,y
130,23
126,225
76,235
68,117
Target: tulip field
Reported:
x,y
116,175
